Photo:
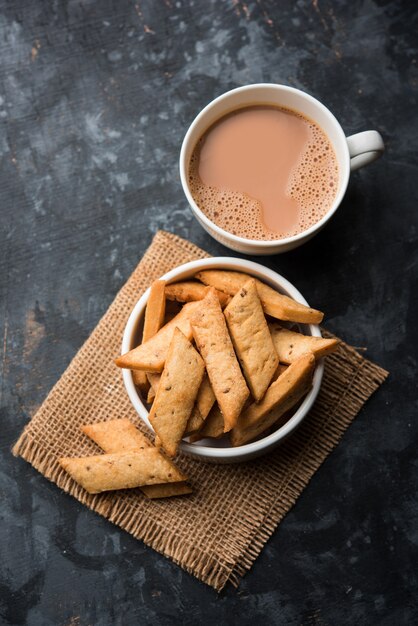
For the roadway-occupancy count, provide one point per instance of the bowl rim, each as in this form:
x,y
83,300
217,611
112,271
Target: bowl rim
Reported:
x,y
249,449
343,158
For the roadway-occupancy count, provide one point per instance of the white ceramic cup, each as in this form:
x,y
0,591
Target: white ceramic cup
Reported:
x,y
352,153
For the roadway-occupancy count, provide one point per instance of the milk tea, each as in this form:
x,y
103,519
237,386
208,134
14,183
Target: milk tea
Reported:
x,y
264,172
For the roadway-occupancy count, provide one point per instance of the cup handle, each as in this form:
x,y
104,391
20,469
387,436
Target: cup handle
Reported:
x,y
364,148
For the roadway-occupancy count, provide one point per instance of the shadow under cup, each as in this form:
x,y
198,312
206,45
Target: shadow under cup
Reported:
x,y
280,96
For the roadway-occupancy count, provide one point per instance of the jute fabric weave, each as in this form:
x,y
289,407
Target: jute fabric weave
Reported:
x,y
218,531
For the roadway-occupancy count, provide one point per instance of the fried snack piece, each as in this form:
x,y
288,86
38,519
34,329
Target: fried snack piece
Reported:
x,y
194,423
122,436
274,303
251,338
151,355
212,427
121,470
141,381
116,436
213,341
150,395
153,320
204,402
281,396
154,381
291,345
177,392
155,310
190,290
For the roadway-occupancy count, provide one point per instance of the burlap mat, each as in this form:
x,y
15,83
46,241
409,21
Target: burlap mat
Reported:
x,y
217,533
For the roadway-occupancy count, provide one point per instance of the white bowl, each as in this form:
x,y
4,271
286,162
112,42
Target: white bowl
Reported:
x,y
219,450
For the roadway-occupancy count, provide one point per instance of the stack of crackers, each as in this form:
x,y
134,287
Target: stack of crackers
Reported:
x,y
219,354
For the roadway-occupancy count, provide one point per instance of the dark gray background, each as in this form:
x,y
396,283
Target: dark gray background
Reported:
x,y
95,99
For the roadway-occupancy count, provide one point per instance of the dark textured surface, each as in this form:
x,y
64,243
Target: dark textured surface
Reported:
x,y
95,99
